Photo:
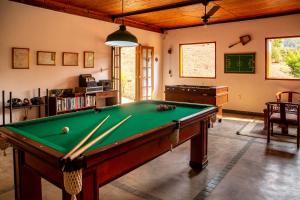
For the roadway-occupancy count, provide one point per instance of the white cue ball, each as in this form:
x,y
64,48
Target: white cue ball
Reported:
x,y
65,129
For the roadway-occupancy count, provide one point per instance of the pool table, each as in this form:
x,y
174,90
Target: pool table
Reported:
x,y
39,145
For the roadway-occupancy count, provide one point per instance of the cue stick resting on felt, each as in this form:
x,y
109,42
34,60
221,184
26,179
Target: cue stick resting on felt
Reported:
x,y
85,147
85,138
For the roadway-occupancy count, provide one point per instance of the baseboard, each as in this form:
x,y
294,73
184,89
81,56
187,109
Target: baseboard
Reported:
x,y
243,112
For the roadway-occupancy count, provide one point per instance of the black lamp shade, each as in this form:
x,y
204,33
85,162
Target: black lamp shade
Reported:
x,y
121,38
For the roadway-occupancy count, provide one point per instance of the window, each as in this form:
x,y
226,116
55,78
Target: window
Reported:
x,y
283,58
198,60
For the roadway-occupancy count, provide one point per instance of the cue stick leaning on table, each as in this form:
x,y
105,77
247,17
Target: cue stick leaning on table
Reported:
x,y
85,138
85,147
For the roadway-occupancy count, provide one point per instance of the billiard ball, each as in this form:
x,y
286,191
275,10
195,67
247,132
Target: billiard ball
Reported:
x,y
65,129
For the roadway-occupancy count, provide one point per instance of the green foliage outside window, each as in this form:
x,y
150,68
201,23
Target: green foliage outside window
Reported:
x,y
292,59
276,50
285,58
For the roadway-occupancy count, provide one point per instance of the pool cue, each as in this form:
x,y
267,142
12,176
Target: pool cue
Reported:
x,y
85,138
85,147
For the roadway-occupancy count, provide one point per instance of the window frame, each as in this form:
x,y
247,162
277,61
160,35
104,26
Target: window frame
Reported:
x,y
180,61
267,61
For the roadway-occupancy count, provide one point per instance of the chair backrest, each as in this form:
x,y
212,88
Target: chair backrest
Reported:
x,y
288,96
283,108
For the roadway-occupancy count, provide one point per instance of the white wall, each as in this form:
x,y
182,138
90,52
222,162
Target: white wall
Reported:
x,y
246,92
47,30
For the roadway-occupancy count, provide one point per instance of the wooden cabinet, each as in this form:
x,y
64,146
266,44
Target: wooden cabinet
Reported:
x,y
215,95
111,97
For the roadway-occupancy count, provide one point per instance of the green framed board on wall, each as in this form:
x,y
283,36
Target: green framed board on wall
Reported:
x,y
239,63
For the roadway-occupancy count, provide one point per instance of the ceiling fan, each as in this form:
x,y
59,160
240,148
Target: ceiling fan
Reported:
x,y
210,13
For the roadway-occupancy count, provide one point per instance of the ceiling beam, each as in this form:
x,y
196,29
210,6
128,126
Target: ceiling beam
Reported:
x,y
67,8
159,8
234,20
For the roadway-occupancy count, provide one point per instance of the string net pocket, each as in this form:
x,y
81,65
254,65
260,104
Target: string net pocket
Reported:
x,y
73,182
4,145
213,118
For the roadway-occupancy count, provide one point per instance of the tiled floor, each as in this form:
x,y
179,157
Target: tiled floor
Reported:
x,y
240,167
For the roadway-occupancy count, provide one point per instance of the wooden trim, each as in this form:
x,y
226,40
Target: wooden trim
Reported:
x,y
180,65
137,73
75,10
66,7
243,112
120,73
266,58
141,71
116,61
158,8
234,20
29,144
37,58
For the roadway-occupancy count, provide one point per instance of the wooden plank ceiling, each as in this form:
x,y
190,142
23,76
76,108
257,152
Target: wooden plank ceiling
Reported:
x,y
161,15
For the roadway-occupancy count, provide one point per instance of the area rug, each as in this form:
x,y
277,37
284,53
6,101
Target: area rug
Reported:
x,y
255,128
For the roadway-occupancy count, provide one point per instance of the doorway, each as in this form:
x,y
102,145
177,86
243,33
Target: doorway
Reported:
x,y
132,73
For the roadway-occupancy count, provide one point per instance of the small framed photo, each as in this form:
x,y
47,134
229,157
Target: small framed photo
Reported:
x,y
70,59
20,58
45,58
88,59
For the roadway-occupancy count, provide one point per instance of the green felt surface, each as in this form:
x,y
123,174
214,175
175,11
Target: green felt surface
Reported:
x,y
144,117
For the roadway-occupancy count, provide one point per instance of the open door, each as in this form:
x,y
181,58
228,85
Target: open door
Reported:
x,y
132,72
145,73
116,70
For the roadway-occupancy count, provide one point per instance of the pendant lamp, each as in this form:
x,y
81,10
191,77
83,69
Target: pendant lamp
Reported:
x,y
121,37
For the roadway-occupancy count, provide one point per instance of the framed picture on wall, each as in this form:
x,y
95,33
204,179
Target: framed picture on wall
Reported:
x,y
70,59
88,59
20,58
45,58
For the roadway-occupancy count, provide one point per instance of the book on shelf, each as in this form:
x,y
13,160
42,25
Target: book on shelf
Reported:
x,y
73,103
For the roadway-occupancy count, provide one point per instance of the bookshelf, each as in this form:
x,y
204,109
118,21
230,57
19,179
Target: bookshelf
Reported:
x,y
71,103
80,101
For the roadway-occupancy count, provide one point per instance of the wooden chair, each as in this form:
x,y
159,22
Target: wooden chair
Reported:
x,y
283,113
285,96
288,96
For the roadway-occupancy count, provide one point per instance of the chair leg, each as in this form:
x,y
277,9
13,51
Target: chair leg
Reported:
x,y
298,137
269,132
272,129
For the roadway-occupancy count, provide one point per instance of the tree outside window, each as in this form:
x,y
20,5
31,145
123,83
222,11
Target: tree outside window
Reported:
x,y
283,58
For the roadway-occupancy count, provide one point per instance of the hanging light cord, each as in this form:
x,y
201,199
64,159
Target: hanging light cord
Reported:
x,y
122,11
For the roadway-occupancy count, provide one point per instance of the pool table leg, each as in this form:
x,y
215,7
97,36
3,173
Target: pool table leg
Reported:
x,y
27,183
199,147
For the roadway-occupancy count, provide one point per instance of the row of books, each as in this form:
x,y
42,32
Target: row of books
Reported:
x,y
72,103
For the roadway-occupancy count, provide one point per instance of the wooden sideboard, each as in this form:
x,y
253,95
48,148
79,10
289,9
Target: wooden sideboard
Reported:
x,y
111,97
215,95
